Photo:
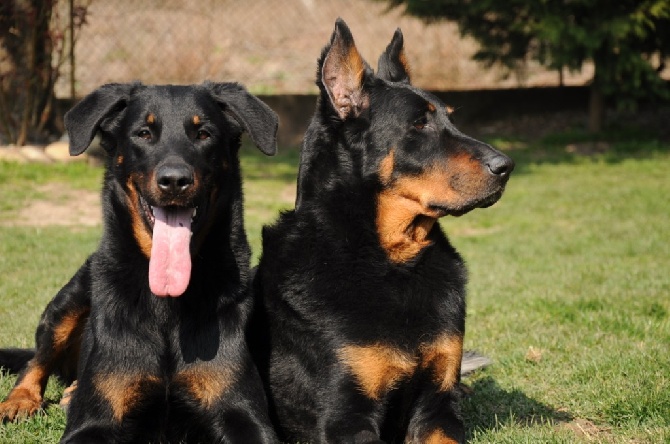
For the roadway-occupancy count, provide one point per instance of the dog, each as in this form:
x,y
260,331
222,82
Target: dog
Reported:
x,y
361,295
152,325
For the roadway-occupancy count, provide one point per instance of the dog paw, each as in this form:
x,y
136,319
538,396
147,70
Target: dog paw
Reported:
x,y
19,406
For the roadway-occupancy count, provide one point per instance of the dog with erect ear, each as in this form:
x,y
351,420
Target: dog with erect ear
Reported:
x,y
359,329
152,325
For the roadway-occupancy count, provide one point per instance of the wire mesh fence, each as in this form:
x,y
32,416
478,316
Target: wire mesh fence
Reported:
x,y
269,45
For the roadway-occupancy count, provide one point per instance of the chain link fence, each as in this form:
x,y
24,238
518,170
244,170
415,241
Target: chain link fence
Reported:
x,y
269,45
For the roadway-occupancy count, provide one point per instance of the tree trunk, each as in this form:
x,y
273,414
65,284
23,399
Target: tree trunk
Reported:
x,y
596,108
26,74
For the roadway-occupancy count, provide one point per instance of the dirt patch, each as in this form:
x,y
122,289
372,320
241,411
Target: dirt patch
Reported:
x,y
60,206
589,430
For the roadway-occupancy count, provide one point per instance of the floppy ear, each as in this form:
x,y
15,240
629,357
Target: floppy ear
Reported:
x,y
342,73
257,119
392,63
84,119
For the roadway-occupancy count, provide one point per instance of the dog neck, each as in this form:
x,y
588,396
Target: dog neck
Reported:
x,y
402,228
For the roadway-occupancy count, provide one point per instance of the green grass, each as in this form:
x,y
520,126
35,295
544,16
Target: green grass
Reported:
x,y
573,262
569,287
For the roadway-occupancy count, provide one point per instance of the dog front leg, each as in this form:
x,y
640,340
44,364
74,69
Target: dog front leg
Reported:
x,y
351,416
435,417
58,340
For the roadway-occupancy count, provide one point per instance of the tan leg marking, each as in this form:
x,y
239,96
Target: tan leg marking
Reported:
x,y
443,358
69,329
26,397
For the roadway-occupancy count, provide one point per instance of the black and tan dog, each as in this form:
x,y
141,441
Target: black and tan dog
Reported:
x,y
159,310
363,294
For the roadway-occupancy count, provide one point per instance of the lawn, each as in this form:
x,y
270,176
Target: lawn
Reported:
x,y
569,286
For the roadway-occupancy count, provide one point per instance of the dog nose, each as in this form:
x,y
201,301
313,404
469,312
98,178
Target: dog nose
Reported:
x,y
500,165
174,178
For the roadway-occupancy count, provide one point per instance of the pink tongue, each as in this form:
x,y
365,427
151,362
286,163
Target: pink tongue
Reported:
x,y
170,263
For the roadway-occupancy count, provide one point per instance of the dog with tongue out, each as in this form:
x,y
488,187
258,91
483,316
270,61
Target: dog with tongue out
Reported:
x,y
164,300
170,260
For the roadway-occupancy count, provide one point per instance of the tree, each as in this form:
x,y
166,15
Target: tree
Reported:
x,y
32,51
627,40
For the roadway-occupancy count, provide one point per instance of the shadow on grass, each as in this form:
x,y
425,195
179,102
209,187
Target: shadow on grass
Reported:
x,y
490,406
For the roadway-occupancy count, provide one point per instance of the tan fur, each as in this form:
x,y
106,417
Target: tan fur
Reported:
x,y
405,64
404,217
26,398
71,324
140,231
377,368
437,436
206,385
123,391
443,358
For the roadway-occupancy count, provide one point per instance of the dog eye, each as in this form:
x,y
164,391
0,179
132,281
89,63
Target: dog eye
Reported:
x,y
420,123
144,134
202,135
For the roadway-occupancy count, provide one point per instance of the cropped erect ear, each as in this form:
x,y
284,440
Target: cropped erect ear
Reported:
x,y
342,73
257,119
85,118
392,63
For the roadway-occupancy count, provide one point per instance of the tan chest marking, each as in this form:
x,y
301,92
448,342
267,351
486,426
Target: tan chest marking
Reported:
x,y
206,384
124,391
377,368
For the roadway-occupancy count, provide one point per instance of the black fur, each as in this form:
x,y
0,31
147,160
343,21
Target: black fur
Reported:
x,y
362,294
159,369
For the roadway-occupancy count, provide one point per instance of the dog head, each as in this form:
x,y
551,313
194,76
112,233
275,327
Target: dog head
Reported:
x,y
383,130
172,163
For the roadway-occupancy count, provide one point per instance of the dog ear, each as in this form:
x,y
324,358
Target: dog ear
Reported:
x,y
392,65
342,73
85,118
257,119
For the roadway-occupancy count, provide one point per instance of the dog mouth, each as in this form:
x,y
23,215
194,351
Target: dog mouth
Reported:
x,y
149,212
439,210
171,229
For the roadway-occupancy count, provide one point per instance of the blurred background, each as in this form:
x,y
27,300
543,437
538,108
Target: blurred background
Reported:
x,y
270,45
55,51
